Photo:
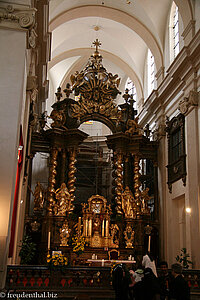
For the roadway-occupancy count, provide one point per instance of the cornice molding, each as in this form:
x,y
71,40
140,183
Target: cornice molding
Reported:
x,y
16,16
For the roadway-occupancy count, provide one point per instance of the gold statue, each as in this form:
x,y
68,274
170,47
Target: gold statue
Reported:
x,y
38,197
63,201
128,204
114,229
129,236
133,127
96,224
64,234
144,199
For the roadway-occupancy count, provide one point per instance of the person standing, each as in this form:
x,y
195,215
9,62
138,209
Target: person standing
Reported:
x,y
165,278
148,262
179,289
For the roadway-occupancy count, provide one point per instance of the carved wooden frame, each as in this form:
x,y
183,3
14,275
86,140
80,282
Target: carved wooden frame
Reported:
x,y
176,168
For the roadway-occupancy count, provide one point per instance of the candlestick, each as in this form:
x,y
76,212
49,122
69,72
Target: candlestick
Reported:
x,y
49,240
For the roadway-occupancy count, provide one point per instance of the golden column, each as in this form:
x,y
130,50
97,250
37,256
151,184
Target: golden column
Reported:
x,y
119,183
52,179
137,183
71,174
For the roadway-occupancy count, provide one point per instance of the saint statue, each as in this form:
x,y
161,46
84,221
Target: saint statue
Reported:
x,y
129,236
114,230
38,197
128,204
96,224
64,234
63,200
145,198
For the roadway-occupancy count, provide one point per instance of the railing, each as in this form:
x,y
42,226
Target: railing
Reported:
x,y
76,280
68,283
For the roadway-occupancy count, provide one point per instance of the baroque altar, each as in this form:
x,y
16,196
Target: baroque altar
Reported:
x,y
115,219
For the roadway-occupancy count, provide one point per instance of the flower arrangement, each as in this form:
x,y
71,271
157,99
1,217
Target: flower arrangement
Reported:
x,y
78,243
57,261
184,258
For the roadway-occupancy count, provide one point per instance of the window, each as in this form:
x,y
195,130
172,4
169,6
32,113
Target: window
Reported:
x,y
176,150
150,71
174,29
176,32
131,88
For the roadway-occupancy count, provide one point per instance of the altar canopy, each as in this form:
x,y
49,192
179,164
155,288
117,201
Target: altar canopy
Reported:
x,y
120,214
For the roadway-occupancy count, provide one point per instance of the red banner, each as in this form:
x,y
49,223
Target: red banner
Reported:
x,y
14,214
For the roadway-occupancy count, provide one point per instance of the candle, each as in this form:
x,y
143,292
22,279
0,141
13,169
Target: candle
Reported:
x,y
90,228
149,244
86,229
49,239
79,224
107,229
103,228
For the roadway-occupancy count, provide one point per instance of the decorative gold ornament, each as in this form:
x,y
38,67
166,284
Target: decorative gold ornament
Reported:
x,y
96,221
63,203
38,197
97,89
64,234
129,236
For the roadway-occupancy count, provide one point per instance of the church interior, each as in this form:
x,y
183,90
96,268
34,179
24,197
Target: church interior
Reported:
x,y
100,142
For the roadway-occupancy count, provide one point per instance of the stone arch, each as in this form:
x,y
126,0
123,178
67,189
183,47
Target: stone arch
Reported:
x,y
185,9
100,118
115,15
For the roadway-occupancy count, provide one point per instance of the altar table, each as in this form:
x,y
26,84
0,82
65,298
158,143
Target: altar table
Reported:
x,y
110,262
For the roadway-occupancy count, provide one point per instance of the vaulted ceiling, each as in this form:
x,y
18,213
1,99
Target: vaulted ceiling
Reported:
x,y
125,31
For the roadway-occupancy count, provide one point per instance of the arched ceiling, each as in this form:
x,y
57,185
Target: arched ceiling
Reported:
x,y
125,31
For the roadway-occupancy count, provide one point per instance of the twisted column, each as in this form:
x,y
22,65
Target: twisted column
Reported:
x,y
137,183
52,180
71,174
119,183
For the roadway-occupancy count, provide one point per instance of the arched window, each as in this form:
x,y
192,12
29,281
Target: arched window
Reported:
x,y
131,88
174,32
150,72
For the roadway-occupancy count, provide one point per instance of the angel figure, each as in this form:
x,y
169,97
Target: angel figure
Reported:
x,y
133,127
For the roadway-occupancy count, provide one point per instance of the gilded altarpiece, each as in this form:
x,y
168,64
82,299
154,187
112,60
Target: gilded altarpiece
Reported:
x,y
115,222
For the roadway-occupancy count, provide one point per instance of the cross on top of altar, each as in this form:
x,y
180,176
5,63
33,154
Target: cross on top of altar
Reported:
x,y
97,44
